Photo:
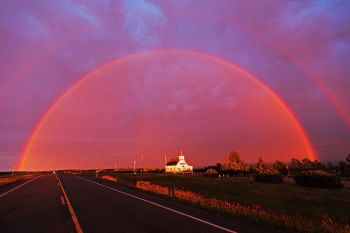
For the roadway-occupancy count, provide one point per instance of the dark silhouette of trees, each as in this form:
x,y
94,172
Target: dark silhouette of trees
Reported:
x,y
342,168
261,166
297,166
281,167
234,165
307,164
266,173
347,158
264,168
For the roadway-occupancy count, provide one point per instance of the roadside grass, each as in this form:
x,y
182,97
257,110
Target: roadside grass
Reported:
x,y
9,174
313,205
7,178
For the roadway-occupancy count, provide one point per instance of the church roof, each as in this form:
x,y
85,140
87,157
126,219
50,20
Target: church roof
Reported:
x,y
172,162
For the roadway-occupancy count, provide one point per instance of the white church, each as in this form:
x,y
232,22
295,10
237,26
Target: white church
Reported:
x,y
178,165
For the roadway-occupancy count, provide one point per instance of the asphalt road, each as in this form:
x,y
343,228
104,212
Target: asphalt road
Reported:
x,y
34,207
102,207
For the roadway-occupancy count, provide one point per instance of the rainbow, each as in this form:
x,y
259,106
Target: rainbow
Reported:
x,y
328,92
293,119
286,53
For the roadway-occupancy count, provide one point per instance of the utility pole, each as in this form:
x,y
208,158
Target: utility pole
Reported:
x,y
115,167
13,170
165,160
102,156
142,163
285,161
135,167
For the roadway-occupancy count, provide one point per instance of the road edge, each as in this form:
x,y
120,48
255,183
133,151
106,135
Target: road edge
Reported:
x,y
161,206
19,186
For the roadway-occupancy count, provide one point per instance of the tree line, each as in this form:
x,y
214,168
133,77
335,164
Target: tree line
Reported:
x,y
305,171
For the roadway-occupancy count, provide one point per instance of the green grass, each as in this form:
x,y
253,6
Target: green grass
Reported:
x,y
284,198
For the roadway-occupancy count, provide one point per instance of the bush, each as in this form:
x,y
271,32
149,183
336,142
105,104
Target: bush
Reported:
x,y
317,179
268,178
211,172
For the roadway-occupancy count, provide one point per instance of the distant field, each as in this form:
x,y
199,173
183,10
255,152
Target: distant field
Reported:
x,y
287,198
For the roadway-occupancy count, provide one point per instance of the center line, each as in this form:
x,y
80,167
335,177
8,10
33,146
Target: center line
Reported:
x,y
70,207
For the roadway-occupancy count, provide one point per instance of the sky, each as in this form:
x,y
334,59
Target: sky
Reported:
x,y
87,84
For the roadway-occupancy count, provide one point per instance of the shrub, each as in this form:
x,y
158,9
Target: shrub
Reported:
x,y
108,177
317,179
148,186
211,172
268,178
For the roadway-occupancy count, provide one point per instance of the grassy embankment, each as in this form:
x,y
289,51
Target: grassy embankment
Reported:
x,y
296,208
6,178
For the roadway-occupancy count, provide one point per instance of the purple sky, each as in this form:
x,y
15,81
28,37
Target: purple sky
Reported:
x,y
300,49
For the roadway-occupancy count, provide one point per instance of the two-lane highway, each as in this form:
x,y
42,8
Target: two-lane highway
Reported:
x,y
98,206
34,207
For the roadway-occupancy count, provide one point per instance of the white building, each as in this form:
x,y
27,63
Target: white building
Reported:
x,y
178,165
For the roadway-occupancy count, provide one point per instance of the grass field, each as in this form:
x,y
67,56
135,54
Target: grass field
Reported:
x,y
286,199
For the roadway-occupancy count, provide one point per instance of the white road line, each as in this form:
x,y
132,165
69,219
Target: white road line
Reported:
x,y
70,207
161,206
17,187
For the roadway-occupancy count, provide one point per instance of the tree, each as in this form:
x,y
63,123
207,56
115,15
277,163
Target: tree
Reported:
x,y
347,158
295,167
307,164
264,168
318,165
281,167
330,167
295,163
261,166
267,174
218,167
233,157
234,163
342,168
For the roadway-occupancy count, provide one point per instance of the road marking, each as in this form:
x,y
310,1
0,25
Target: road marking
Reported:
x,y
161,206
17,187
70,207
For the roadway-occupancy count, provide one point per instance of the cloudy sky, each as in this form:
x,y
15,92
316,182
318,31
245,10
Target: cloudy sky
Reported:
x,y
93,83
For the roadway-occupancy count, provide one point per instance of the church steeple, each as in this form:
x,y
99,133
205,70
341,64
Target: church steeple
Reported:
x,y
181,156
